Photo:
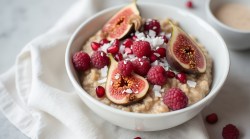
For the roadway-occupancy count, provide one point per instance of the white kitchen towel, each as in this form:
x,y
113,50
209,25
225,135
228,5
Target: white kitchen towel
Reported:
x,y
38,98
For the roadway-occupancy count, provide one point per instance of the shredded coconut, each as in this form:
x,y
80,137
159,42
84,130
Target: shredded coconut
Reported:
x,y
141,63
105,47
157,94
191,83
156,62
151,33
117,76
158,55
102,80
157,88
104,71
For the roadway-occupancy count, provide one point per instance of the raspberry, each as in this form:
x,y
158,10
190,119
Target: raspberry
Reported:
x,y
81,61
152,24
212,118
175,99
141,66
141,48
99,59
189,4
125,67
156,75
230,132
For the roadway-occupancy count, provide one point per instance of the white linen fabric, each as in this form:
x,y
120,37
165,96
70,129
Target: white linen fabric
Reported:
x,y
38,98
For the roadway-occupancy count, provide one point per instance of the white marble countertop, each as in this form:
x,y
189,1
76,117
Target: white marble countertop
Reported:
x,y
22,20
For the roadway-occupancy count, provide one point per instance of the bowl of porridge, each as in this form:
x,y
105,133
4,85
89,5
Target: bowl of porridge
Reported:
x,y
231,18
143,70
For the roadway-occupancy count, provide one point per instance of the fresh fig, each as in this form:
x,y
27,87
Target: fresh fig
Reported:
x,y
183,53
122,22
124,89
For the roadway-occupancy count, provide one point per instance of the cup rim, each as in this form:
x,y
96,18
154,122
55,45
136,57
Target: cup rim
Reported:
x,y
217,21
214,91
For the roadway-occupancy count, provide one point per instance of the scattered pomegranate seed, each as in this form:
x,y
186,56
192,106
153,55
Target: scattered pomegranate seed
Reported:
x,y
137,138
165,38
113,49
189,4
128,42
153,57
103,41
100,91
161,51
128,50
95,46
118,57
116,42
181,77
212,118
170,74
134,37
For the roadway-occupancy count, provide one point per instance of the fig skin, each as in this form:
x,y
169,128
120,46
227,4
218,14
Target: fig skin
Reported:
x,y
123,22
127,98
192,48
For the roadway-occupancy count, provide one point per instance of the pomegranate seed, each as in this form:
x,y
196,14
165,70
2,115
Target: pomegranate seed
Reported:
x,y
212,118
118,57
137,138
113,49
170,74
165,38
152,58
128,50
181,77
134,37
100,91
103,41
95,46
128,42
116,42
161,51
189,4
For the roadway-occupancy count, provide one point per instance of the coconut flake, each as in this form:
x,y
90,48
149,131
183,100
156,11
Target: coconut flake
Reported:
x,y
157,88
151,33
191,83
141,63
117,76
102,80
104,71
156,54
102,54
162,90
105,47
156,62
157,94
122,48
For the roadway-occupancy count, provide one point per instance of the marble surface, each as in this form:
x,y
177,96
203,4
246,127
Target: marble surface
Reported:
x,y
23,20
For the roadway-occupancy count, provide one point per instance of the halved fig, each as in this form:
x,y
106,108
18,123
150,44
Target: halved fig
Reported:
x,y
124,89
183,53
122,22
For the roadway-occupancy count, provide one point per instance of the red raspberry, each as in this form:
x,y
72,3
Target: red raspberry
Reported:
x,y
141,66
81,61
152,24
230,132
125,67
156,75
99,59
212,118
141,48
189,4
175,99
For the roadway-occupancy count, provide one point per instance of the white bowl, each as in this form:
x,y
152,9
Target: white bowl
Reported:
x,y
236,39
152,122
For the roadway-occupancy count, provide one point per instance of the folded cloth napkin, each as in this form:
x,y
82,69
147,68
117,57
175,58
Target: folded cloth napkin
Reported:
x,y
38,98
